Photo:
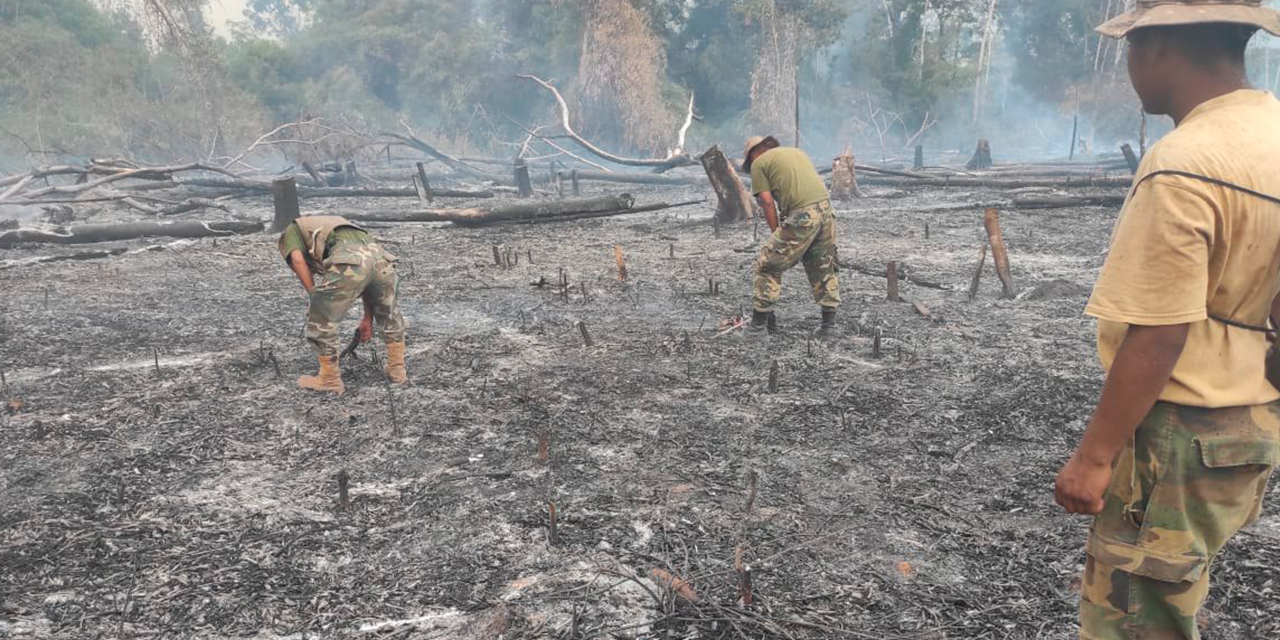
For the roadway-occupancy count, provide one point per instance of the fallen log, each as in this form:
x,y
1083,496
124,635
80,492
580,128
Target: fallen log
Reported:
x,y
91,233
607,214
1063,202
1002,183
479,217
333,192
641,178
451,162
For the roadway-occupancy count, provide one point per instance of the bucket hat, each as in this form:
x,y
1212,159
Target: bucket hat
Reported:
x,y
1167,13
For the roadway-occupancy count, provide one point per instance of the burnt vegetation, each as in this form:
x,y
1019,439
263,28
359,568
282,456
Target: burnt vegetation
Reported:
x,y
586,448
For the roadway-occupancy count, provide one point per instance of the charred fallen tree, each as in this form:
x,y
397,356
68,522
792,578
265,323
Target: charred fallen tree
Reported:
x,y
551,211
91,233
331,192
482,216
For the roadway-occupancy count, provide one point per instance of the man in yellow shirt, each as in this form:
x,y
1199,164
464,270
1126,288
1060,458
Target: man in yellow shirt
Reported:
x,y
1176,457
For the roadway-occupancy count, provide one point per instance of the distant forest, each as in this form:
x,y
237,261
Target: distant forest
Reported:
x,y
149,80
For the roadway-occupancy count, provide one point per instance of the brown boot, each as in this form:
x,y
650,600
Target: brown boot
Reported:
x,y
396,371
329,379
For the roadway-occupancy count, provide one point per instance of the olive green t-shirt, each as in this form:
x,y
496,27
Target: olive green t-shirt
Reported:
x,y
790,174
293,240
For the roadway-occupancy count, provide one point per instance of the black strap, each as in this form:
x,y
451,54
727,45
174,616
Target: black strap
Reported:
x,y
1233,187
1214,181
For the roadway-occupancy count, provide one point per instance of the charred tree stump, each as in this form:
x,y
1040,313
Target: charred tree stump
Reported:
x,y
577,189
1130,157
524,184
981,157
735,200
351,175
423,185
285,196
919,164
892,273
999,252
844,177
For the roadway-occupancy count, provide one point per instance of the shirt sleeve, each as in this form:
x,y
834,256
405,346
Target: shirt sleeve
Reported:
x,y
290,241
759,178
1157,271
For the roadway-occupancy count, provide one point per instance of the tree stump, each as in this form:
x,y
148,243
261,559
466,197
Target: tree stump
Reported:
x,y
524,184
735,200
981,157
285,196
844,178
919,164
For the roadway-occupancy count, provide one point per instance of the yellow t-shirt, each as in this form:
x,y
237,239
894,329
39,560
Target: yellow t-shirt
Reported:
x,y
791,175
1186,251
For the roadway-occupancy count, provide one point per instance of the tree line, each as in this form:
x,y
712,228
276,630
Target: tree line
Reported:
x,y
149,80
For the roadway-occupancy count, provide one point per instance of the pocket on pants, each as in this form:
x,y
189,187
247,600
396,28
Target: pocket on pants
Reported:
x,y
1252,460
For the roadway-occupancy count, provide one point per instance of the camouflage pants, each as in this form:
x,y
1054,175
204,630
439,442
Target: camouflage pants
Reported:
x,y
1191,479
354,271
807,235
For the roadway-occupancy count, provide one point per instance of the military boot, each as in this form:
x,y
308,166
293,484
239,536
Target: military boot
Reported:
x,y
329,379
827,330
396,371
763,323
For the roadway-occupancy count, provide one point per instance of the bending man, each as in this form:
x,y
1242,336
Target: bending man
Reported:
x,y
798,209
338,262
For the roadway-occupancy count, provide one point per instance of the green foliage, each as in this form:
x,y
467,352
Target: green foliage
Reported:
x,y
1055,44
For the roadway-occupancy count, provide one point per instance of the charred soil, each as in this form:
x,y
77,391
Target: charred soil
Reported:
x,y
162,476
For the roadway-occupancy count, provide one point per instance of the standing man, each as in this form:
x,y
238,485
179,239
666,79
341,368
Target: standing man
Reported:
x,y
1177,455
338,262
798,209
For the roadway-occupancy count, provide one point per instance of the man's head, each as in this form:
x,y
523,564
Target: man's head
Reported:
x,y
756,147
1164,59
1182,46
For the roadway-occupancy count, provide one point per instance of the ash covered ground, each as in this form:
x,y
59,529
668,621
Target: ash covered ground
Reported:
x,y
905,496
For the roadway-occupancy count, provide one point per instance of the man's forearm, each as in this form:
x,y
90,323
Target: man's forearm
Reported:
x,y
1142,368
771,215
300,268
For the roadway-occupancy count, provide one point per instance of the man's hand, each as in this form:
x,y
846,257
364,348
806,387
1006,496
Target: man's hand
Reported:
x,y
1142,367
365,331
1081,486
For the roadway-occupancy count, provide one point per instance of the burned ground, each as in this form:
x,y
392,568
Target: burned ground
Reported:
x,y
905,496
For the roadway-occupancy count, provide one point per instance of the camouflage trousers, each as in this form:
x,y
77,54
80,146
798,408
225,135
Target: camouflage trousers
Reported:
x,y
809,236
354,271
1190,480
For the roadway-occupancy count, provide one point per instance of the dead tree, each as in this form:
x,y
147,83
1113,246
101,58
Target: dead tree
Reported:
x,y
735,201
677,159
